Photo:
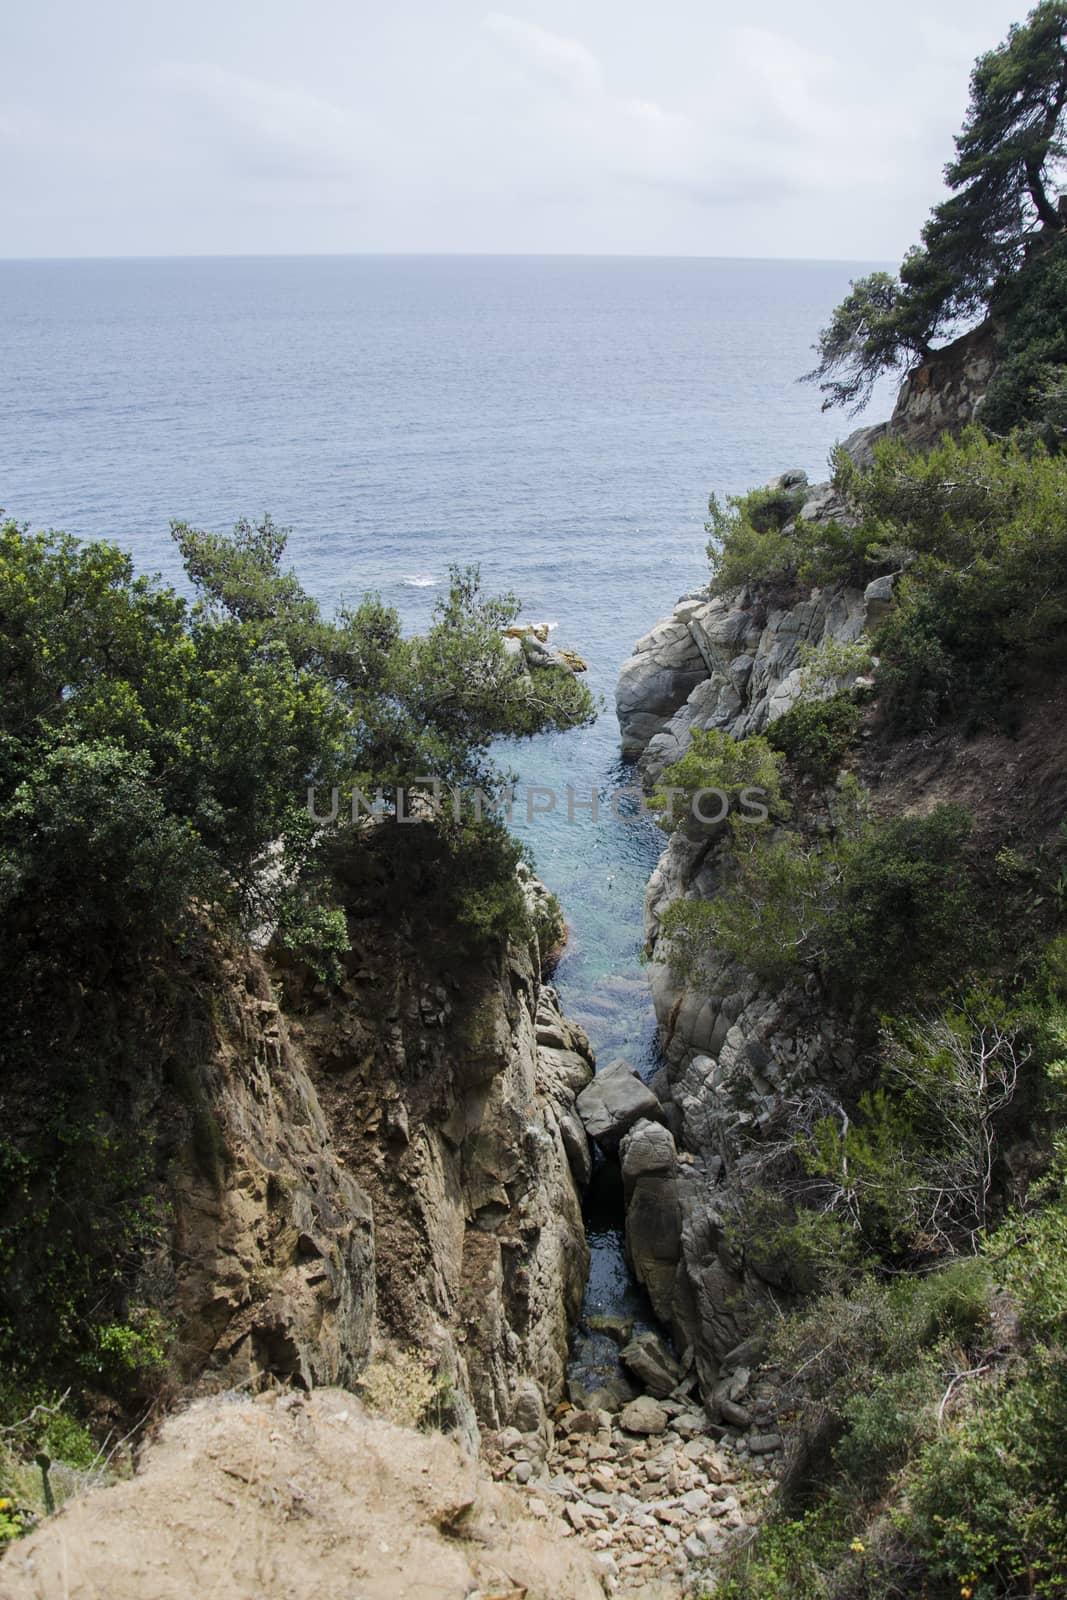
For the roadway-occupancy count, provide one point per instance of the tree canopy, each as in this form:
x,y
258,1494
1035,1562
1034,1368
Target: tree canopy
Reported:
x,y
1005,202
153,750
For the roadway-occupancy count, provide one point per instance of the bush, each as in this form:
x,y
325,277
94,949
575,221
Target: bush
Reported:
x,y
881,910
902,919
985,595
816,735
745,772
987,1499
747,544
759,538
401,1387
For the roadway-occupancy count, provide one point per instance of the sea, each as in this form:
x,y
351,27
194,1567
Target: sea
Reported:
x,y
558,421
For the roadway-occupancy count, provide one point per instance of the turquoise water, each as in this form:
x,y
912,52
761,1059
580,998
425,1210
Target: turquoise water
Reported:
x,y
561,421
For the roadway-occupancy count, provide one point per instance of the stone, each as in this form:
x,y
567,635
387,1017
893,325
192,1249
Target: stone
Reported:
x,y
581,1422
691,1426
878,596
576,1145
528,1407
643,1415
737,1416
648,1358
762,1444
653,1213
792,478
666,665
614,1101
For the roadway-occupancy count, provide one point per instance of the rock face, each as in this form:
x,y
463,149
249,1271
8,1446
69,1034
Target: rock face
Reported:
x,y
750,650
946,391
734,1055
272,1238
665,667
614,1100
450,1086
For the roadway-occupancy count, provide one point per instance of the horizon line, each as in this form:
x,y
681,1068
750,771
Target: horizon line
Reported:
x,y
438,255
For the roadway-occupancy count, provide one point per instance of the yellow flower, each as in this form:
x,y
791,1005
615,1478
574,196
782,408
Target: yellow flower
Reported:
x,y
966,1592
5,1505
857,1547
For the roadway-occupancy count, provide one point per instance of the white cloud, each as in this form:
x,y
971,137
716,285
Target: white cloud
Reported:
x,y
277,130
562,60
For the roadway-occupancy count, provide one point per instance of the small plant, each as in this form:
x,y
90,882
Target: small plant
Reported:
x,y
400,1387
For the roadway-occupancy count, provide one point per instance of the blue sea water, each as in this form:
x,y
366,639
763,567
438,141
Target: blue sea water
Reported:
x,y
559,420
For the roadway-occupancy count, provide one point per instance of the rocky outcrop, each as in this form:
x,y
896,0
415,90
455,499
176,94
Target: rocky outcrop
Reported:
x,y
450,1085
734,1055
748,646
665,668
945,392
613,1102
271,1238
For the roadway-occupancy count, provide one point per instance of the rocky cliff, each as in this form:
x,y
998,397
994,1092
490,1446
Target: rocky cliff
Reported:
x,y
449,1087
734,1055
302,1174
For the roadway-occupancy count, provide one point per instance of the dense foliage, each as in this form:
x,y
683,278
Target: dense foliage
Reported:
x,y
153,752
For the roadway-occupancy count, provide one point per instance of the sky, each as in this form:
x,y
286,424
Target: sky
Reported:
x,y
666,127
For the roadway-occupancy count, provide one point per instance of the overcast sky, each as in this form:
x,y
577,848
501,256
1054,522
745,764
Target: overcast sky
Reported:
x,y
130,127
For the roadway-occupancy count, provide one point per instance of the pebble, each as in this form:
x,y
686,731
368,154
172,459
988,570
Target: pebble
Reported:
x,y
656,1507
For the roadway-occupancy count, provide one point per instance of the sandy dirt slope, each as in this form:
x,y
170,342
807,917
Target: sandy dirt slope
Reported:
x,y
298,1497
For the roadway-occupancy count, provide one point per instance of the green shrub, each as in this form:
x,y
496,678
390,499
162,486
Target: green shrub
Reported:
x,y
985,521
987,1499
816,735
747,544
882,910
902,921
746,772
760,539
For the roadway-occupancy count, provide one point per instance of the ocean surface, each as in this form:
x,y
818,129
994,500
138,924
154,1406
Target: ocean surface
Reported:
x,y
559,420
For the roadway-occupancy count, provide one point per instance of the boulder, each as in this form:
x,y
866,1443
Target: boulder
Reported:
x,y
648,1358
528,1407
577,1147
643,1415
614,1101
653,1214
658,678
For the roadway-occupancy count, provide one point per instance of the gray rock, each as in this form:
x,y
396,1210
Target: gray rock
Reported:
x,y
528,1407
643,1415
878,596
860,445
792,478
581,1422
653,1213
736,1415
648,1358
577,1147
762,1444
614,1101
665,667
